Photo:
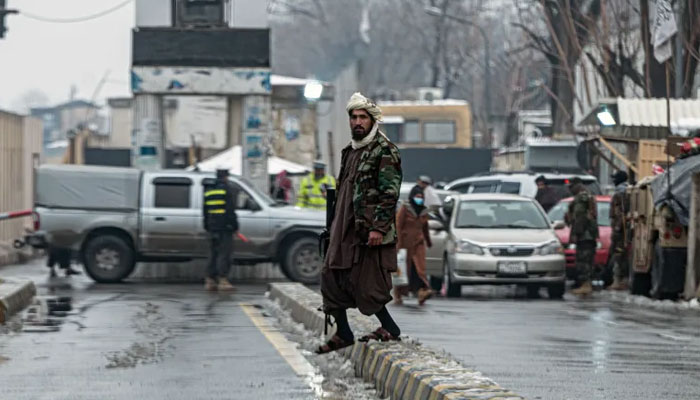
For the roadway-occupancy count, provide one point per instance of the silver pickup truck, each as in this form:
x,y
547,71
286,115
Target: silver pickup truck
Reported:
x,y
112,218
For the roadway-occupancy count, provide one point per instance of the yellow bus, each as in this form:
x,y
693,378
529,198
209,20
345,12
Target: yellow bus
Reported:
x,y
428,124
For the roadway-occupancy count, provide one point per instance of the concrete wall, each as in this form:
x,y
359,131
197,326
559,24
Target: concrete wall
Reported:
x,y
20,142
294,131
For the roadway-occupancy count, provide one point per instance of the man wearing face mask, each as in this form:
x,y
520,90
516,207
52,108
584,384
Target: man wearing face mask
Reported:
x,y
362,249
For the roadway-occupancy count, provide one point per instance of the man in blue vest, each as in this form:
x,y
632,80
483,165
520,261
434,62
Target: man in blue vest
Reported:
x,y
221,222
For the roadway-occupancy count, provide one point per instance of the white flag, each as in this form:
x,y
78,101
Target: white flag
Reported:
x,y
664,29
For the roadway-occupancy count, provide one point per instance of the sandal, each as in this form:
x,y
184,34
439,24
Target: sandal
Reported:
x,y
381,335
335,343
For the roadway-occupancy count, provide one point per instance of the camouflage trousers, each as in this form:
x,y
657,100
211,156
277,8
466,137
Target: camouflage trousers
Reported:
x,y
618,256
585,255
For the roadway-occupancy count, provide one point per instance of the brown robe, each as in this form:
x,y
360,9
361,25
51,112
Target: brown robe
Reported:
x,y
354,275
414,235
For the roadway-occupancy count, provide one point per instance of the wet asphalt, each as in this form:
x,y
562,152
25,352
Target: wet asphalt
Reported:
x,y
148,340
140,340
572,349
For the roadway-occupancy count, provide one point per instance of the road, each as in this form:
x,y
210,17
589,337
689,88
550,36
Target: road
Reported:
x,y
172,340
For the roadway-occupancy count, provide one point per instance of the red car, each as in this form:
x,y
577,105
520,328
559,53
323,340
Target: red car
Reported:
x,y
601,256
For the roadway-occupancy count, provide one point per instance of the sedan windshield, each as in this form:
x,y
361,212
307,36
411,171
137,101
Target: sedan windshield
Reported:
x,y
500,214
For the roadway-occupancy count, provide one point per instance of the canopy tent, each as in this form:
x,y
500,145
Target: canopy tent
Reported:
x,y
232,158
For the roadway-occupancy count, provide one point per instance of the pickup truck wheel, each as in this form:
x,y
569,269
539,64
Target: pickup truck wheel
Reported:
x,y
109,259
302,262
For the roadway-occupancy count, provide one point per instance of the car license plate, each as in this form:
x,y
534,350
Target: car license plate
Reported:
x,y
512,267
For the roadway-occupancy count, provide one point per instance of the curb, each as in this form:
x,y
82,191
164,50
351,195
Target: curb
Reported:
x,y
399,370
14,297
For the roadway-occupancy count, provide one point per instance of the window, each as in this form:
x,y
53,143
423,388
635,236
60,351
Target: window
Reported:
x,y
393,132
462,188
243,200
172,195
557,212
500,214
510,187
483,187
411,132
200,12
439,132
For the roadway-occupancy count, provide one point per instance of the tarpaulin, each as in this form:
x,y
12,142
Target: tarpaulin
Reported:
x,y
681,187
87,187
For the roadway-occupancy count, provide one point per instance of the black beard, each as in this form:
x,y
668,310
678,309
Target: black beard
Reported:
x,y
359,134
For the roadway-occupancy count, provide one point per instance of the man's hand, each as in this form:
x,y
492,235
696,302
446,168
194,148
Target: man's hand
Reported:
x,y
375,238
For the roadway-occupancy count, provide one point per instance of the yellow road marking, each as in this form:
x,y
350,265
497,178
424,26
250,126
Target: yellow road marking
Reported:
x,y
285,348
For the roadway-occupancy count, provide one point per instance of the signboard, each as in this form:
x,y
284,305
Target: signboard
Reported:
x,y
200,80
256,127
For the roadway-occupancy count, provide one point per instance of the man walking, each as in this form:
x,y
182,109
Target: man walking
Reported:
x,y
582,217
546,195
221,222
362,250
619,204
312,193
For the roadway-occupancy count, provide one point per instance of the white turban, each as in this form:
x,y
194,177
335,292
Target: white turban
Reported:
x,y
360,102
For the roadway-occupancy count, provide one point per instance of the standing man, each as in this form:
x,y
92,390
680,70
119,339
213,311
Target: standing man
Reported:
x,y
583,220
619,204
362,250
221,222
314,187
546,195
432,201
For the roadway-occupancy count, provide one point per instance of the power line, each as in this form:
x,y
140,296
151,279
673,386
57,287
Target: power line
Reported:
x,y
76,19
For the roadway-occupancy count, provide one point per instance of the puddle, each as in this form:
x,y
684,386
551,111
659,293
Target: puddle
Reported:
x,y
47,314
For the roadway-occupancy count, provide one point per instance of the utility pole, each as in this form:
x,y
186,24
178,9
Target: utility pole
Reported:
x,y
3,12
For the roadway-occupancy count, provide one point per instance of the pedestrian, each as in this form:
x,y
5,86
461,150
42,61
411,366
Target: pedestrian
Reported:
x,y
619,204
282,188
221,222
362,252
414,236
62,257
546,195
432,201
313,188
582,217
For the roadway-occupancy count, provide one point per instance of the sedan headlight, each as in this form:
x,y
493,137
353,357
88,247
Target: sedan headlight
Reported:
x,y
550,248
468,247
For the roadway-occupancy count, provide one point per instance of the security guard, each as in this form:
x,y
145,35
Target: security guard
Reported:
x,y
314,187
221,222
582,217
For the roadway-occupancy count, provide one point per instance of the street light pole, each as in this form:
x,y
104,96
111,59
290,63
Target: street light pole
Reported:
x,y
434,11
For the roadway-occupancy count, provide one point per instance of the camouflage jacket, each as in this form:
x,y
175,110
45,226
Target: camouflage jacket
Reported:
x,y
376,188
583,218
619,205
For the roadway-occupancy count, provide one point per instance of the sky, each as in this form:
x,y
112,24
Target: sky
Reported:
x,y
51,57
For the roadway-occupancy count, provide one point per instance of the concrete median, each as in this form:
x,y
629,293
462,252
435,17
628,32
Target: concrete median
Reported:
x,y
399,370
15,295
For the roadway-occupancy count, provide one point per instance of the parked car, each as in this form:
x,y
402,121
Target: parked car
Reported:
x,y
556,215
500,239
112,218
521,183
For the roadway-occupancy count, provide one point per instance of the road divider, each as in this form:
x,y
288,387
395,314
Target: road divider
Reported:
x,y
15,295
399,370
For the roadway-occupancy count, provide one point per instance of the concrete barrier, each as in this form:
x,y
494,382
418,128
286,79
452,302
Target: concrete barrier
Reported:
x,y
15,295
399,370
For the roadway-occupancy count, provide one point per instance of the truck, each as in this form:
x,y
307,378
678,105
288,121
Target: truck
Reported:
x,y
659,216
111,218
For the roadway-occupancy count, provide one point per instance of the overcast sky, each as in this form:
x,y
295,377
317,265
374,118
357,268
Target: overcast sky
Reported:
x,y
53,56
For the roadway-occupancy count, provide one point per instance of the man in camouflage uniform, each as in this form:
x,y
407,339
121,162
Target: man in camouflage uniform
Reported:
x,y
582,217
362,250
619,204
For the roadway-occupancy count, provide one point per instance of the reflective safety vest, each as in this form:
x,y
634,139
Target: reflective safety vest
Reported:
x,y
219,210
312,193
